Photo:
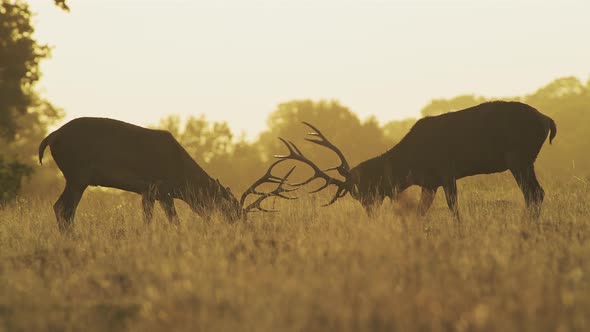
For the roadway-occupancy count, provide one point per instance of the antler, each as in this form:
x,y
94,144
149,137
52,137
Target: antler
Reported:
x,y
278,192
343,168
296,154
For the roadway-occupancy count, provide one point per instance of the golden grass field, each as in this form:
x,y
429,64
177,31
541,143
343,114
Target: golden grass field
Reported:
x,y
304,269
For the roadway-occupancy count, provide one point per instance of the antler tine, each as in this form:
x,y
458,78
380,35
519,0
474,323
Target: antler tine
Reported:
x,y
316,132
296,154
291,151
278,192
344,167
266,178
341,192
256,203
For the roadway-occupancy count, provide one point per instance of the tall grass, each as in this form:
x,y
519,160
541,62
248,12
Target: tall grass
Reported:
x,y
304,269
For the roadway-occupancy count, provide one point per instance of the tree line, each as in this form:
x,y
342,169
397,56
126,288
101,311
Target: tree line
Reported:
x,y
237,161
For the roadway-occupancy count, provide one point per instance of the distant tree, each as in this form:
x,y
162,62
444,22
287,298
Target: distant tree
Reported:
x,y
214,147
24,115
397,129
237,162
11,174
567,101
207,142
358,140
562,87
62,4
245,165
20,55
172,124
440,106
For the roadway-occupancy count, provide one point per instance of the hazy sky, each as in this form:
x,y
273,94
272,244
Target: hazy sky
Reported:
x,y
235,60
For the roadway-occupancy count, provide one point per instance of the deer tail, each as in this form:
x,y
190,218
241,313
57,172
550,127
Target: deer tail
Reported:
x,y
43,145
552,130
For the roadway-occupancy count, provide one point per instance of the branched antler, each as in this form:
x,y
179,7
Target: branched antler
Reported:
x,y
343,168
268,177
296,154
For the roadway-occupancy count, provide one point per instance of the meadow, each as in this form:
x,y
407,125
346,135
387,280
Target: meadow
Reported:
x,y
306,268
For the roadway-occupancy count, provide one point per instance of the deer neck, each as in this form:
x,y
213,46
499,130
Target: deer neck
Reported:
x,y
396,169
199,191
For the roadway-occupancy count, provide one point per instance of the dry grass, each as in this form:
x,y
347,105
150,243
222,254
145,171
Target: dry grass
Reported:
x,y
305,269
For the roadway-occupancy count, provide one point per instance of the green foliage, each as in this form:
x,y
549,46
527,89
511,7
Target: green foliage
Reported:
x,y
20,55
11,174
24,115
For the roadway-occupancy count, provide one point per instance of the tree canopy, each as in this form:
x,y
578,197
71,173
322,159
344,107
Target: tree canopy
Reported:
x,y
24,115
357,139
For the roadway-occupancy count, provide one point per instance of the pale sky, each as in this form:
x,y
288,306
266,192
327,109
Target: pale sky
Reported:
x,y
235,60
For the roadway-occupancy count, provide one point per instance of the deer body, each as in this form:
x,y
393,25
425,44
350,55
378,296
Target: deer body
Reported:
x,y
111,153
488,138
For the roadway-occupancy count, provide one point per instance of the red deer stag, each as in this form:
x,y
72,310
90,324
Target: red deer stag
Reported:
x,y
111,153
489,138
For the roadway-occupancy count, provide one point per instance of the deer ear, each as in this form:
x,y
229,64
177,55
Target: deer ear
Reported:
x,y
228,189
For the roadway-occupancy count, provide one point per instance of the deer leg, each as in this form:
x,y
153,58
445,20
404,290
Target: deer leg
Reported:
x,y
450,189
531,189
66,205
202,212
371,210
537,193
167,203
371,205
426,199
147,202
